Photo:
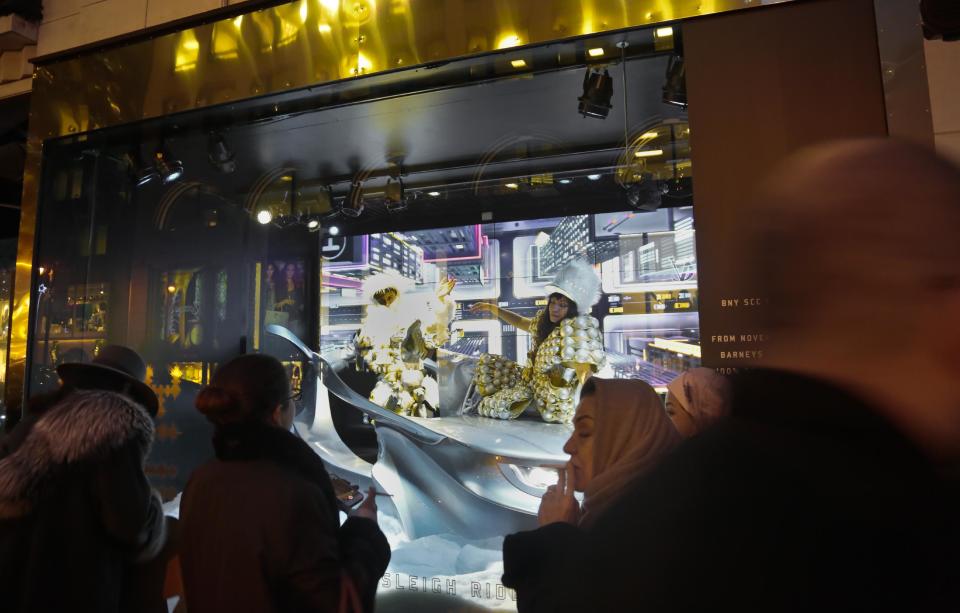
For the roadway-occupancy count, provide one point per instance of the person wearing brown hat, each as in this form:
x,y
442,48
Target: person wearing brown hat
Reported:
x,y
76,510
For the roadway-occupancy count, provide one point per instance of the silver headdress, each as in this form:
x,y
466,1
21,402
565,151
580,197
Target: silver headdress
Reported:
x,y
579,282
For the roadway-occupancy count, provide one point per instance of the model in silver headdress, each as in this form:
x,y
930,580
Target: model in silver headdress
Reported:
x,y
558,363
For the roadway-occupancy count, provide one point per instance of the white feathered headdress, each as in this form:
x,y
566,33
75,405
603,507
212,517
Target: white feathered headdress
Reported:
x,y
376,283
579,282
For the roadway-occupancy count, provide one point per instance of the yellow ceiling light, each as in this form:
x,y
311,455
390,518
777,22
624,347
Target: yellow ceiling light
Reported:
x,y
324,28
518,63
304,11
331,6
595,52
225,44
648,153
508,40
666,32
363,64
187,52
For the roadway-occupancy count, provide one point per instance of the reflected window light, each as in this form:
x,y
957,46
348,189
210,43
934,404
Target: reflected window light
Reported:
x,y
288,32
433,194
507,41
511,185
649,135
187,52
593,177
595,52
225,45
565,181
518,63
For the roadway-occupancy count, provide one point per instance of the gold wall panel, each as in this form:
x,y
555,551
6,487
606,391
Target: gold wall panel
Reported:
x,y
295,45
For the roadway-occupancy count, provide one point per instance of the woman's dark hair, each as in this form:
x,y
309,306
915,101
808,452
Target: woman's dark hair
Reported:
x,y
545,326
245,389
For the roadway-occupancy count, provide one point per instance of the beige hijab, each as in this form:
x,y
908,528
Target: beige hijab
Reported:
x,y
703,394
631,433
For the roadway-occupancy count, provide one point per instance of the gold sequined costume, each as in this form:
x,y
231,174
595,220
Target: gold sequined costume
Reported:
x,y
398,331
555,371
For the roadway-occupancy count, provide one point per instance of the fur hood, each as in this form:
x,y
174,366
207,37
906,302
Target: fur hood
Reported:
x,y
84,426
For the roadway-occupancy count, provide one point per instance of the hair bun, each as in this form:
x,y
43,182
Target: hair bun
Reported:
x,y
216,402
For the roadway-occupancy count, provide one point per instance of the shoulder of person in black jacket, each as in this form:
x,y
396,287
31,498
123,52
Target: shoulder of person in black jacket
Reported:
x,y
268,492
74,496
805,500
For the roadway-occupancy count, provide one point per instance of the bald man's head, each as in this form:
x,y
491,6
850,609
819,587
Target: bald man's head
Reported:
x,y
849,237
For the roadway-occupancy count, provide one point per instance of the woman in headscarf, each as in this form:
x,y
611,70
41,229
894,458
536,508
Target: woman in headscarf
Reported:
x,y
620,433
696,399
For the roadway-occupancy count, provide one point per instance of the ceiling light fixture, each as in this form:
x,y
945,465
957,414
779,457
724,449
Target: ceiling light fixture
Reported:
x,y
220,155
511,185
593,177
595,52
648,153
353,205
518,63
264,216
597,92
433,194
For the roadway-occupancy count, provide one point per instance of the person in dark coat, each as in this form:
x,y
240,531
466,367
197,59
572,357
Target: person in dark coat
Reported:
x,y
76,510
620,433
259,525
833,485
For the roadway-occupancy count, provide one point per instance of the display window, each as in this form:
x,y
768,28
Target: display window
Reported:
x,y
439,265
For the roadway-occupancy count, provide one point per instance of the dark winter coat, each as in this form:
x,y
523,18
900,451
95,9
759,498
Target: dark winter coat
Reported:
x,y
805,500
75,506
260,530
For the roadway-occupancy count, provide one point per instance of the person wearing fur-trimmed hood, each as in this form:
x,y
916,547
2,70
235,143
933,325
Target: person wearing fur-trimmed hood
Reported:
x,y
566,349
76,510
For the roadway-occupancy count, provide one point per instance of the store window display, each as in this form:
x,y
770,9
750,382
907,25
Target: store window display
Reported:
x,y
566,349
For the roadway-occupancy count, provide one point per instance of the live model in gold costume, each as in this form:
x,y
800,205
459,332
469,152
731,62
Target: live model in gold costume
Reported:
x,y
400,329
567,348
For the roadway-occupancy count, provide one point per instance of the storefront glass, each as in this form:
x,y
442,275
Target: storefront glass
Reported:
x,y
369,245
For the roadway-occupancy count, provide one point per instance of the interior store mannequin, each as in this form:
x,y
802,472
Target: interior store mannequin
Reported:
x,y
620,433
566,348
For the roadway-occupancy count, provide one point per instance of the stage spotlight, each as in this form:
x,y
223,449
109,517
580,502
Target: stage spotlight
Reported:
x,y
162,167
395,198
220,155
169,169
645,194
353,205
147,175
264,216
597,92
675,86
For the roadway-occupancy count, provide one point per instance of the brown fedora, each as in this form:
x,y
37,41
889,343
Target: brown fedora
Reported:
x,y
113,364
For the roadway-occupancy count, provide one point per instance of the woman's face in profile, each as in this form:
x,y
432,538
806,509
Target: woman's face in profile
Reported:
x,y
680,418
580,444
